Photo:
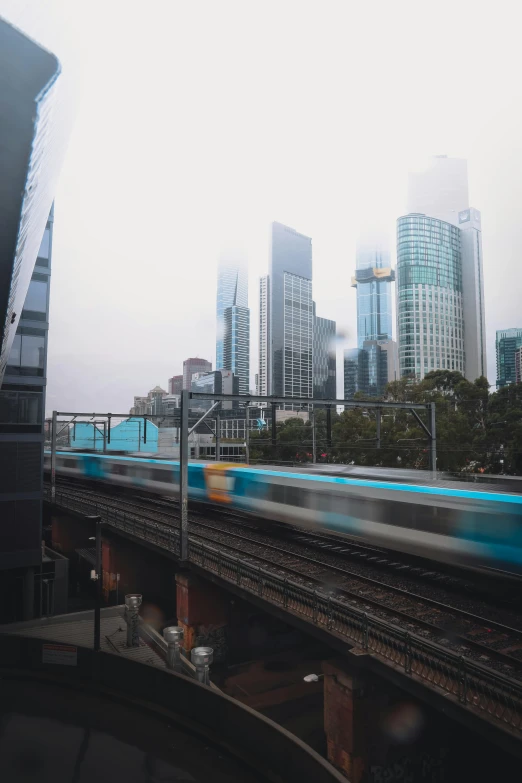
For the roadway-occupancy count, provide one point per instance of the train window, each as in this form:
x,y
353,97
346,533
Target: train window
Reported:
x,y
277,493
160,474
118,469
294,496
69,463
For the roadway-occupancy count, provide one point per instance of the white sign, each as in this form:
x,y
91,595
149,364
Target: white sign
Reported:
x,y
63,654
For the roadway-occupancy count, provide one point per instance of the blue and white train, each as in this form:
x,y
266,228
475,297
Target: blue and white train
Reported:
x,y
474,526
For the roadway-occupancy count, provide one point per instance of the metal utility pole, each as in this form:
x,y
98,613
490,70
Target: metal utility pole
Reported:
x,y
274,429
247,435
183,475
53,456
433,439
98,578
378,426
314,444
218,437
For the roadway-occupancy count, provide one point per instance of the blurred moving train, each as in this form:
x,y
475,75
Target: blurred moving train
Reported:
x,y
474,526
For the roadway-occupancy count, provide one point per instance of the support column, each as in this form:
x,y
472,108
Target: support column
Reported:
x,y
352,718
202,610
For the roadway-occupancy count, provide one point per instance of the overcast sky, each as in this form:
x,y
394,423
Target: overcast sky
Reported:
x,y
198,123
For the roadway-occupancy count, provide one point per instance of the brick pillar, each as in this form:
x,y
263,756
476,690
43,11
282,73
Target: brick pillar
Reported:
x,y
202,610
352,716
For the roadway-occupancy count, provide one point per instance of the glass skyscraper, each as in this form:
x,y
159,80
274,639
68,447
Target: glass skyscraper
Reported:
x,y
429,301
507,343
236,345
264,335
373,277
324,358
290,367
440,192
232,289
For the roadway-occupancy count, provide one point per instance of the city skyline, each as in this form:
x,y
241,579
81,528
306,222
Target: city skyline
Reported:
x,y
249,170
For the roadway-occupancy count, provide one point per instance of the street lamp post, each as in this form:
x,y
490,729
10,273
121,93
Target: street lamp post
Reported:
x,y
97,577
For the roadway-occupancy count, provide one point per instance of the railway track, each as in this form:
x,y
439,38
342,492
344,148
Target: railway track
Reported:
x,y
465,631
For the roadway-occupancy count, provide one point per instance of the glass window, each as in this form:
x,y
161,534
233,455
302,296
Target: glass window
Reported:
x,y
14,356
32,354
44,247
36,299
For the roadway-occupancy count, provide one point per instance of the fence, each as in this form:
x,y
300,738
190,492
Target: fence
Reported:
x,y
473,685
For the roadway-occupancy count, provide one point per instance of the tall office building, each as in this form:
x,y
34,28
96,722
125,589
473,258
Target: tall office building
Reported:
x,y
324,358
373,278
290,366
440,190
190,366
232,289
441,193
430,311
473,294
507,344
263,383
31,151
351,372
236,345
175,384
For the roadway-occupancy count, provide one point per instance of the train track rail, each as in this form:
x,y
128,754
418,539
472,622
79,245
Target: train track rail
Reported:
x,y
485,640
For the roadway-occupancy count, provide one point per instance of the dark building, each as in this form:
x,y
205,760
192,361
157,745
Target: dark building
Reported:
x,y
507,343
324,358
351,372
176,384
191,366
291,314
31,149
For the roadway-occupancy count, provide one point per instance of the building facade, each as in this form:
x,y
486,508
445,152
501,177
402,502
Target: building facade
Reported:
x,y
236,345
291,314
372,279
518,365
473,294
217,382
232,289
263,383
175,384
191,366
351,372
32,144
508,343
440,190
324,358
430,315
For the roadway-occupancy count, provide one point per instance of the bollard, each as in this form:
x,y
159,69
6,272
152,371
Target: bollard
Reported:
x,y
173,636
202,657
132,606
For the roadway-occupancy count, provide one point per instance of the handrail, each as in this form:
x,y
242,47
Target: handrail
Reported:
x,y
474,685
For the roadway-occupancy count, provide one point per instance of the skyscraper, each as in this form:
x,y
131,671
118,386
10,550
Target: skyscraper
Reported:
x,y
290,365
473,294
507,343
430,312
175,384
232,289
440,190
190,366
263,384
31,149
236,345
439,195
372,279
324,358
